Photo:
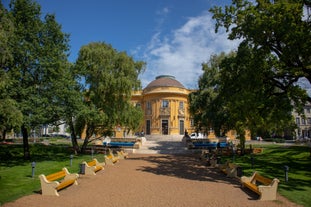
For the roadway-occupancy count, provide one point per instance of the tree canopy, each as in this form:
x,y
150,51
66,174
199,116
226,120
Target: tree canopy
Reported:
x,y
34,64
280,28
256,87
109,78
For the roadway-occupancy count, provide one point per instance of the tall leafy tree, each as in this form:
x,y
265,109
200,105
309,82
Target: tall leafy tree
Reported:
x,y
251,102
281,28
109,77
38,68
205,108
10,115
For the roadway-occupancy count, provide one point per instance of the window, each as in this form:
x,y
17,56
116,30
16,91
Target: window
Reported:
x,y
309,120
164,103
191,122
138,105
181,105
303,121
297,120
148,105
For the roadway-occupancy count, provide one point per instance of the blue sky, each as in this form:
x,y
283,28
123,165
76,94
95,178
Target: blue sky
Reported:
x,y
173,37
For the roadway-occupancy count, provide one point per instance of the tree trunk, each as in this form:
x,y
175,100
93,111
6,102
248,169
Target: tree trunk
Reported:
x,y
25,142
3,134
89,132
74,141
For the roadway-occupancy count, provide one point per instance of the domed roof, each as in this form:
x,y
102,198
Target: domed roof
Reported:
x,y
164,81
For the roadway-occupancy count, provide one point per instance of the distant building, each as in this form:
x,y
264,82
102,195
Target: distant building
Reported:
x,y
303,123
165,105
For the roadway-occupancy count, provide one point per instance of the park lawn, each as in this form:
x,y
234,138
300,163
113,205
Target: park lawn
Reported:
x,y
271,163
16,174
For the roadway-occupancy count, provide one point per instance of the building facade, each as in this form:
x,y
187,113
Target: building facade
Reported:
x,y
303,123
165,105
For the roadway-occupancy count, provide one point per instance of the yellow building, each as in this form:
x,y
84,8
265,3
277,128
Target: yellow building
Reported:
x,y
165,105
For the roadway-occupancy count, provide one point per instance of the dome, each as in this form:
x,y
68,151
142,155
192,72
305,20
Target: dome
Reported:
x,y
164,81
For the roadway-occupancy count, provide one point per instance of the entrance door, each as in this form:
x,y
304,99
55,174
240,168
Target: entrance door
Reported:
x,y
148,127
165,127
181,127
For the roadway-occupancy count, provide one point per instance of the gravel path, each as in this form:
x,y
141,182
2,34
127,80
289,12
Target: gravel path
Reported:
x,y
152,181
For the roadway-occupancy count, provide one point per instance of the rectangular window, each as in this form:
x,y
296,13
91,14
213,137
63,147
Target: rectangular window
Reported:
x,y
309,120
164,103
181,105
303,121
148,105
191,122
297,120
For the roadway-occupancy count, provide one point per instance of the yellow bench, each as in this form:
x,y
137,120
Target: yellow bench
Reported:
x,y
122,155
230,169
257,150
266,188
93,166
52,183
110,159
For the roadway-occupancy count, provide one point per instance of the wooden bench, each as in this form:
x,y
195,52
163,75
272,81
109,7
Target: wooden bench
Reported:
x,y
230,169
257,150
110,159
52,183
122,155
266,188
93,166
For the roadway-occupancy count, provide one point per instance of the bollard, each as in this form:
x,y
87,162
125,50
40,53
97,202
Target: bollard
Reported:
x,y
71,157
252,161
92,151
286,169
33,165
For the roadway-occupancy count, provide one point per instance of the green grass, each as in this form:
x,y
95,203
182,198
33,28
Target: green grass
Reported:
x,y
271,163
16,174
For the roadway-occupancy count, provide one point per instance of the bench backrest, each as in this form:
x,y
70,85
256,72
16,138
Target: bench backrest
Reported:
x,y
261,179
92,163
56,176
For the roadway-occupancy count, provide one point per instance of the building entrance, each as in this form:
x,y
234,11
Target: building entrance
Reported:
x,y
148,127
165,127
181,127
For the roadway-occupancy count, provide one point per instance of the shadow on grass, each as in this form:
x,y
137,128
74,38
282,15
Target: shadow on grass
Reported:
x,y
12,155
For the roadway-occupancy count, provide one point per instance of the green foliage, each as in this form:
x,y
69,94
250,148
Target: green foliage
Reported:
x,y
110,76
279,28
35,75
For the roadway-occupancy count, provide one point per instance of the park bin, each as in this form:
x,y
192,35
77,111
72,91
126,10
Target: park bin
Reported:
x,y
82,169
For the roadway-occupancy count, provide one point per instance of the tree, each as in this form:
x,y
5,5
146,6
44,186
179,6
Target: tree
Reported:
x,y
251,102
205,108
39,65
110,76
234,93
280,28
10,116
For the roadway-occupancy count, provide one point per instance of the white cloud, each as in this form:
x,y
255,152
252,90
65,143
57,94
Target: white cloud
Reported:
x,y
182,52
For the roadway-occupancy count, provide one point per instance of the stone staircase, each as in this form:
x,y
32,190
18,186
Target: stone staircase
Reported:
x,y
163,144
